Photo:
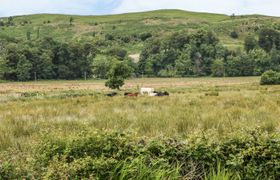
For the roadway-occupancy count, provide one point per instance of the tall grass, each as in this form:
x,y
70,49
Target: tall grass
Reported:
x,y
187,110
209,107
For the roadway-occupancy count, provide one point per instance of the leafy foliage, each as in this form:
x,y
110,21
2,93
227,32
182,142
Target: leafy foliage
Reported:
x,y
48,59
117,74
270,78
98,155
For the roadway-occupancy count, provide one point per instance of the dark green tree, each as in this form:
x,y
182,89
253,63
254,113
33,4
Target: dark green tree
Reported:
x,y
184,64
101,66
234,35
47,66
28,35
268,38
233,66
270,78
261,61
38,33
218,68
2,67
118,53
13,54
71,20
250,43
275,59
117,74
23,69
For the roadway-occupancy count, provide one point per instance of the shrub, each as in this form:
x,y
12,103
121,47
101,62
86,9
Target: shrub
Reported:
x,y
234,34
117,52
145,36
95,155
270,78
109,37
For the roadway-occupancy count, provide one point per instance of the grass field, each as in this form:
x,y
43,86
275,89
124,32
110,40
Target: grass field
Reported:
x,y
217,106
194,105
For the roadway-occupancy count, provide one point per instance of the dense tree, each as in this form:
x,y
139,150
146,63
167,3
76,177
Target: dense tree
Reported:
x,y
151,49
261,61
218,68
270,78
169,71
119,53
269,38
49,60
184,64
23,69
275,59
183,53
233,66
196,53
101,66
13,54
176,41
117,74
2,67
47,70
250,43
246,67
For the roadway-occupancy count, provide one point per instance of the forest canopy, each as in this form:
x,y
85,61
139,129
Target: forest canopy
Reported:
x,y
195,53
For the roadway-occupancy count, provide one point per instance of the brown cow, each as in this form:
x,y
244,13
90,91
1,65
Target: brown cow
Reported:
x,y
131,94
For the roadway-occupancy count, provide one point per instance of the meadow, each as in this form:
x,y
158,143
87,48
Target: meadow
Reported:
x,y
46,114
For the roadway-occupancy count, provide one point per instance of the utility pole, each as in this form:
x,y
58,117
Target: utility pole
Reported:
x,y
35,76
224,72
85,75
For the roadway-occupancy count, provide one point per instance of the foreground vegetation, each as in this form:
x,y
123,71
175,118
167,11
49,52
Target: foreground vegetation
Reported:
x,y
207,127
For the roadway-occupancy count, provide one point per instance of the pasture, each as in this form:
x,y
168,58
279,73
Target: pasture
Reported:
x,y
196,106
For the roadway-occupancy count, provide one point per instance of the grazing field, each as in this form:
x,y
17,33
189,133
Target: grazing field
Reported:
x,y
214,127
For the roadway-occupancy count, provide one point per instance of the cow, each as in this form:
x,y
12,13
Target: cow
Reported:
x,y
111,94
160,94
148,91
131,94
153,94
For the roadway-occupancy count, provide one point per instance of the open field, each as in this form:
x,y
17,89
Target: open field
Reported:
x,y
216,106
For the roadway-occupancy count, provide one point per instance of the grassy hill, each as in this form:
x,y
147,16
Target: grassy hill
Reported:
x,y
158,23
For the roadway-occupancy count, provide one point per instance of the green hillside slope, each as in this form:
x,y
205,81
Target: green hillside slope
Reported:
x,y
158,23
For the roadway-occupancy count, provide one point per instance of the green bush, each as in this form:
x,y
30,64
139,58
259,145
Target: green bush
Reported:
x,y
95,155
234,34
270,78
145,36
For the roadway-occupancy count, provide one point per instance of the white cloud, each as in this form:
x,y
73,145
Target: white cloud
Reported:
x,y
268,7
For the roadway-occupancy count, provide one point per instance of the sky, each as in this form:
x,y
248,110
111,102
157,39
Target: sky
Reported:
x,y
101,7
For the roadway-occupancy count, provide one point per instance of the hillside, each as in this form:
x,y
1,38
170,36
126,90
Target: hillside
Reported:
x,y
158,23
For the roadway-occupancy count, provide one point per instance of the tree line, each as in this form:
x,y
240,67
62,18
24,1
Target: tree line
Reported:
x,y
200,53
50,59
45,59
197,53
